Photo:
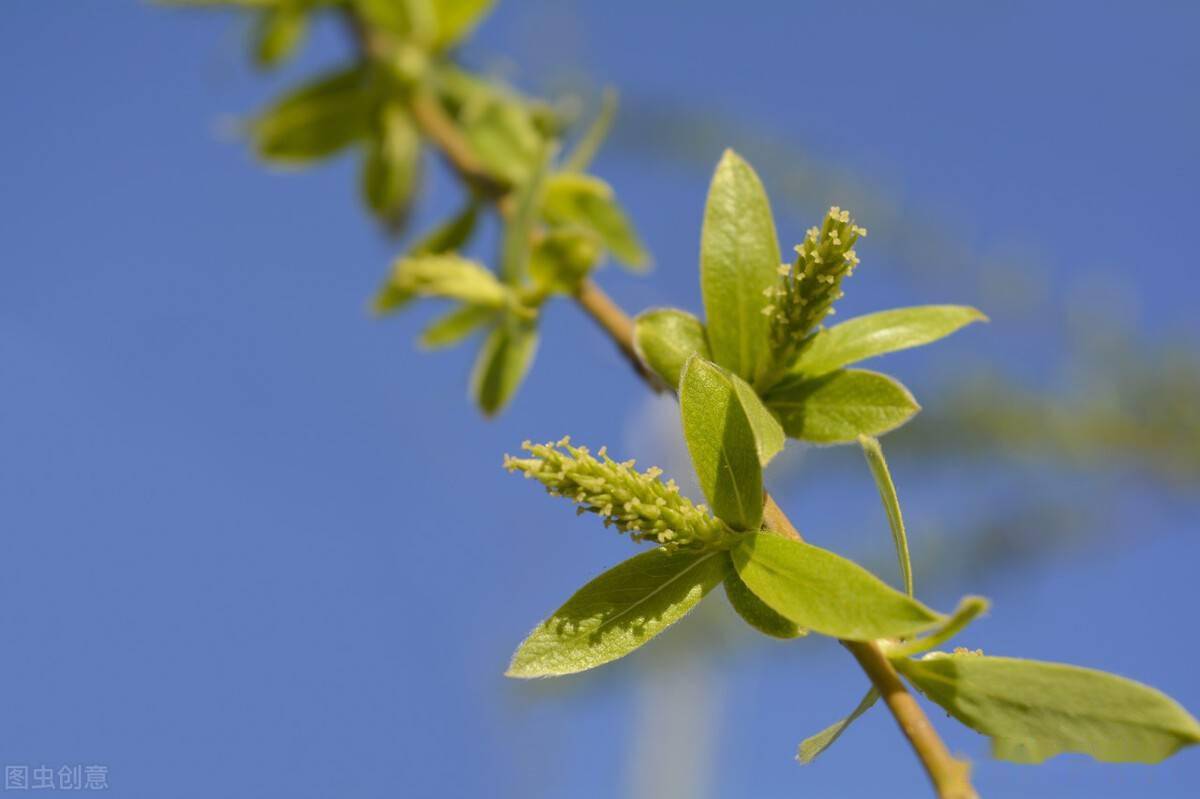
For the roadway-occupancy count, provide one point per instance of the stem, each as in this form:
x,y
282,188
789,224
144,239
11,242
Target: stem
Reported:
x,y
950,777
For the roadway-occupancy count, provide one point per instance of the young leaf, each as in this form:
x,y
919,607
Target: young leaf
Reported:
x,y
453,234
502,364
840,406
446,275
721,442
879,333
619,611
518,231
739,262
891,504
410,19
502,132
756,613
457,18
277,35
389,170
571,198
825,592
456,326
769,437
585,150
813,746
665,338
969,608
316,120
1034,710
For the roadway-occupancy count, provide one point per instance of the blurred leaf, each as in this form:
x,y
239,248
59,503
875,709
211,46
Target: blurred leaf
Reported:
x,y
721,442
891,504
572,198
446,275
451,235
756,613
825,592
562,258
278,34
503,135
318,119
665,338
812,747
391,164
457,18
1034,710
410,19
585,150
456,326
518,229
739,261
503,362
840,406
879,333
619,611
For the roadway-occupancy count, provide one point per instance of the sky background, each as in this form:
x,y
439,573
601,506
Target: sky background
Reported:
x,y
253,543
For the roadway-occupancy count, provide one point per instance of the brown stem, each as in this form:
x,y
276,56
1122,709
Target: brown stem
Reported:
x,y
950,777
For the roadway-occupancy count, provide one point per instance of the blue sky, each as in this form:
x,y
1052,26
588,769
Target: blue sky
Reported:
x,y
253,543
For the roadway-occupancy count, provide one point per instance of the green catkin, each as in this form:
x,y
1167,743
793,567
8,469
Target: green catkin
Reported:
x,y
637,503
808,288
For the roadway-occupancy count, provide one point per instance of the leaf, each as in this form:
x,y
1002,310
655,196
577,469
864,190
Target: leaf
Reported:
x,y
768,433
891,504
825,592
756,613
502,133
562,258
502,364
518,230
969,608
721,442
316,120
879,333
1034,710
813,746
665,338
409,19
457,18
453,234
840,406
573,198
447,275
278,34
619,611
585,150
456,326
391,163
739,260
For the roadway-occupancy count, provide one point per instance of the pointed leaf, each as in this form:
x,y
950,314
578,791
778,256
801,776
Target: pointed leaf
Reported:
x,y
756,613
825,592
389,170
502,364
453,234
446,275
840,406
891,504
1034,710
619,611
316,120
581,157
879,333
665,338
739,261
278,34
813,746
769,437
457,18
571,198
969,608
721,442
516,242
456,326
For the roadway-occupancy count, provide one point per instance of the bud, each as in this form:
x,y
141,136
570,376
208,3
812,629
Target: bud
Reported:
x,y
638,503
808,288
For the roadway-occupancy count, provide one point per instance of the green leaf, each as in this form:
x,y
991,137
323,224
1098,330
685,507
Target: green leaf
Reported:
x,y
502,364
447,275
562,258
969,608
316,120
453,234
391,163
457,18
756,613
278,34
721,442
739,261
516,241
769,437
585,150
456,326
879,333
825,592
840,406
1034,710
619,611
571,198
665,338
891,504
813,746
502,132
409,19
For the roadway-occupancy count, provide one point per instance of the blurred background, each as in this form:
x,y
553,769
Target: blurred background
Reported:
x,y
252,542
